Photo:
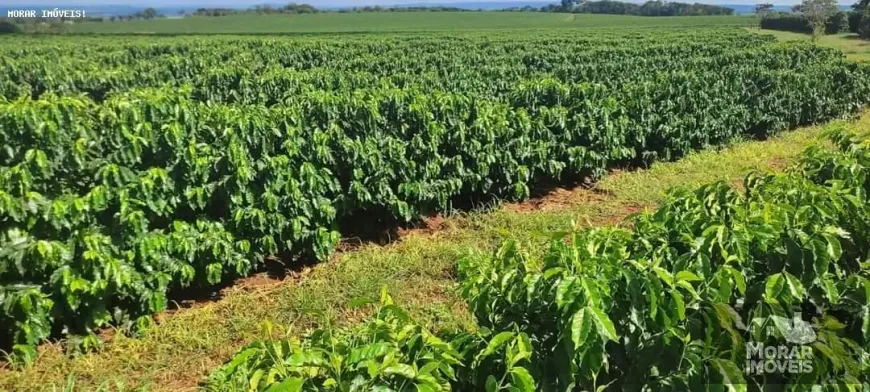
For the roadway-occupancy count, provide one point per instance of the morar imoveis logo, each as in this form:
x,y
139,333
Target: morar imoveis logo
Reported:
x,y
794,330
792,358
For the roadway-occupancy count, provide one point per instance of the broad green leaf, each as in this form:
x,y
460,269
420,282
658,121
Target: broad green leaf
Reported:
x,y
424,388
522,380
774,286
796,289
288,385
496,343
580,327
603,323
429,367
664,275
255,380
679,305
687,276
732,377
524,345
834,249
832,293
590,290
739,280
566,291
491,384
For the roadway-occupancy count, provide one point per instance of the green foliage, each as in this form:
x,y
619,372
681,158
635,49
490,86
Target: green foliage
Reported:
x,y
682,294
129,170
861,23
818,14
383,22
679,303
7,27
839,22
390,352
649,8
854,20
763,8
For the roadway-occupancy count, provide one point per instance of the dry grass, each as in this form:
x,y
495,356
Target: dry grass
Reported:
x,y
853,46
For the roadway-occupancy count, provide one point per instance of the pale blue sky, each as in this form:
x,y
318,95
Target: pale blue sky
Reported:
x,y
237,3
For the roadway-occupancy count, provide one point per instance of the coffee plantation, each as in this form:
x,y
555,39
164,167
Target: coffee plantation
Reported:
x,y
679,303
131,167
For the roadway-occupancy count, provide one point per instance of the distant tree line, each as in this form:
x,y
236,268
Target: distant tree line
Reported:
x,y
650,8
838,23
7,27
294,8
148,13
216,11
40,25
526,8
859,19
823,13
378,8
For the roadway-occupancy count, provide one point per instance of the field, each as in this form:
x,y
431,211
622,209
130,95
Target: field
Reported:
x,y
140,175
855,48
393,22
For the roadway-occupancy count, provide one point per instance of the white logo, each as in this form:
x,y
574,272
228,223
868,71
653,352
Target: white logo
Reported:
x,y
796,330
52,13
792,358
21,13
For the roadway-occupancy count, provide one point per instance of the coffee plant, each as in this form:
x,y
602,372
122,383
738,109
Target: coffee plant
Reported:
x,y
130,168
692,298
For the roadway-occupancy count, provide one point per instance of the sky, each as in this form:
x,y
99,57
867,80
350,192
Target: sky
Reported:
x,y
243,3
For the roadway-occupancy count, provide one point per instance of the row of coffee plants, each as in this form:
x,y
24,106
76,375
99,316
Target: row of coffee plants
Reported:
x,y
716,288
112,197
257,70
